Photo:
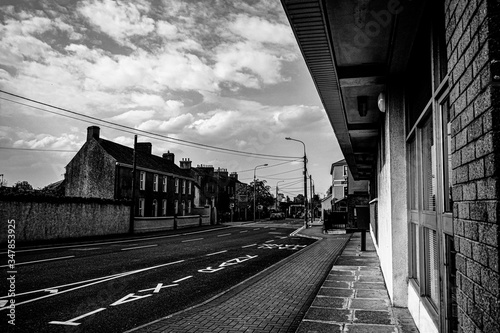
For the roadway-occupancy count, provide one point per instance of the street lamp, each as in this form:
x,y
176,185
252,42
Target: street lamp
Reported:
x,y
305,179
254,187
280,181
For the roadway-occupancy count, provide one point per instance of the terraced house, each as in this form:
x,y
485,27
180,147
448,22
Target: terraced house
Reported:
x,y
103,169
412,91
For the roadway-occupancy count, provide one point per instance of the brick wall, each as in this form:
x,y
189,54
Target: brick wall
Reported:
x,y
473,39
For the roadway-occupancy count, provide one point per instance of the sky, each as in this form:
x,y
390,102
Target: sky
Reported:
x,y
225,74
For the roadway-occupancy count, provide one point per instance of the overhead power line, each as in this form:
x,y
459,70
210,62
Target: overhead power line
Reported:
x,y
132,130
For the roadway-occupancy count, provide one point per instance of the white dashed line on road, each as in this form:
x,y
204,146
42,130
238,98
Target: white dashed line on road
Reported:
x,y
213,254
138,247
191,240
37,261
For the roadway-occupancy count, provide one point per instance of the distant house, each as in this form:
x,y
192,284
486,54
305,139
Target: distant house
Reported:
x,y
103,169
349,195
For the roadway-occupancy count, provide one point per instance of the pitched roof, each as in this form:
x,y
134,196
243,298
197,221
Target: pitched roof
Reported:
x,y
123,154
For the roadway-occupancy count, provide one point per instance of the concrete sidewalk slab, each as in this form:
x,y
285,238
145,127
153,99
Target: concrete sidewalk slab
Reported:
x,y
354,298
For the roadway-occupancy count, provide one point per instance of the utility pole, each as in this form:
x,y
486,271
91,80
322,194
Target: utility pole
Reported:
x,y
311,202
132,207
305,180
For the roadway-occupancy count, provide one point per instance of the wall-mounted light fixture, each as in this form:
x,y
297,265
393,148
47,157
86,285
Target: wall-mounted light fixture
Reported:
x,y
381,102
363,105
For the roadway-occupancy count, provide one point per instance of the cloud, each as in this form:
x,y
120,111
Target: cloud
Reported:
x,y
118,20
133,117
173,125
260,30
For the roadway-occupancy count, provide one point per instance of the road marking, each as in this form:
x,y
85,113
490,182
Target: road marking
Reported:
x,y
213,254
158,287
191,240
36,261
129,298
256,229
241,232
184,278
248,245
138,247
223,235
71,322
117,242
269,241
51,290
100,280
86,249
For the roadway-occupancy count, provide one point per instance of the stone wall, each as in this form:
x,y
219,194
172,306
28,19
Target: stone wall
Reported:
x,y
473,36
62,219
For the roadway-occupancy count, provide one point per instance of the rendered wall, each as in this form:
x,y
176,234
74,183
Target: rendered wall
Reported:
x,y
37,221
91,173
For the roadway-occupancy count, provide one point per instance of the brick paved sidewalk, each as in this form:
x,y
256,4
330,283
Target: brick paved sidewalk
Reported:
x,y
276,302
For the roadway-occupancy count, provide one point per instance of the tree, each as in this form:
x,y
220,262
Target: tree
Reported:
x,y
23,186
262,193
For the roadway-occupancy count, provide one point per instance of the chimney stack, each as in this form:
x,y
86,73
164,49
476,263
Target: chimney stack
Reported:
x,y
93,132
169,156
234,175
185,163
144,147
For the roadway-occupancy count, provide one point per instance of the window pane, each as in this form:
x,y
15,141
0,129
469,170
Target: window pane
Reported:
x,y
428,167
415,248
413,187
448,203
431,266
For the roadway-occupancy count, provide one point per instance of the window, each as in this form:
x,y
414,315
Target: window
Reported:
x,y
447,170
414,252
189,207
165,184
189,186
154,208
431,261
345,170
429,166
155,183
176,207
164,207
176,185
183,186
183,208
141,206
142,180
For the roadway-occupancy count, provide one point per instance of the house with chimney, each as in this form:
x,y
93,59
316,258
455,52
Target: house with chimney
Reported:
x,y
103,169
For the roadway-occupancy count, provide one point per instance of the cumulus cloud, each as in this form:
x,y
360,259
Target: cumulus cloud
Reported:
x,y
118,20
261,30
172,125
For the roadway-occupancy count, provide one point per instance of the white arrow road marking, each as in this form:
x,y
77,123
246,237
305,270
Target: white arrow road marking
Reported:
x,y
129,298
158,287
210,270
72,322
100,280
33,262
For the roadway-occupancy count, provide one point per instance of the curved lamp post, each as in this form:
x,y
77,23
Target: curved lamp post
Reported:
x,y
305,179
254,187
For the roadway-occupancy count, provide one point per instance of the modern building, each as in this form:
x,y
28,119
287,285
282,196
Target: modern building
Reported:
x,y
339,171
412,90
103,169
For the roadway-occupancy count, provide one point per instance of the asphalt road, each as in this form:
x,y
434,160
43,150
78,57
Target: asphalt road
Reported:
x,y
112,286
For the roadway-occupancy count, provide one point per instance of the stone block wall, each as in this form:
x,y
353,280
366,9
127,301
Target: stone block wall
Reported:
x,y
473,47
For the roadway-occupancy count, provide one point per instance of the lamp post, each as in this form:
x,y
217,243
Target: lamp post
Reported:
x,y
279,181
305,179
254,187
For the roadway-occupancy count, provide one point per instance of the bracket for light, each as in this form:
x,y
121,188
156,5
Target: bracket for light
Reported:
x,y
363,105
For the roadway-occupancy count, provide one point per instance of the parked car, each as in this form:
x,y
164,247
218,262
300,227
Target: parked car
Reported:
x,y
277,216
